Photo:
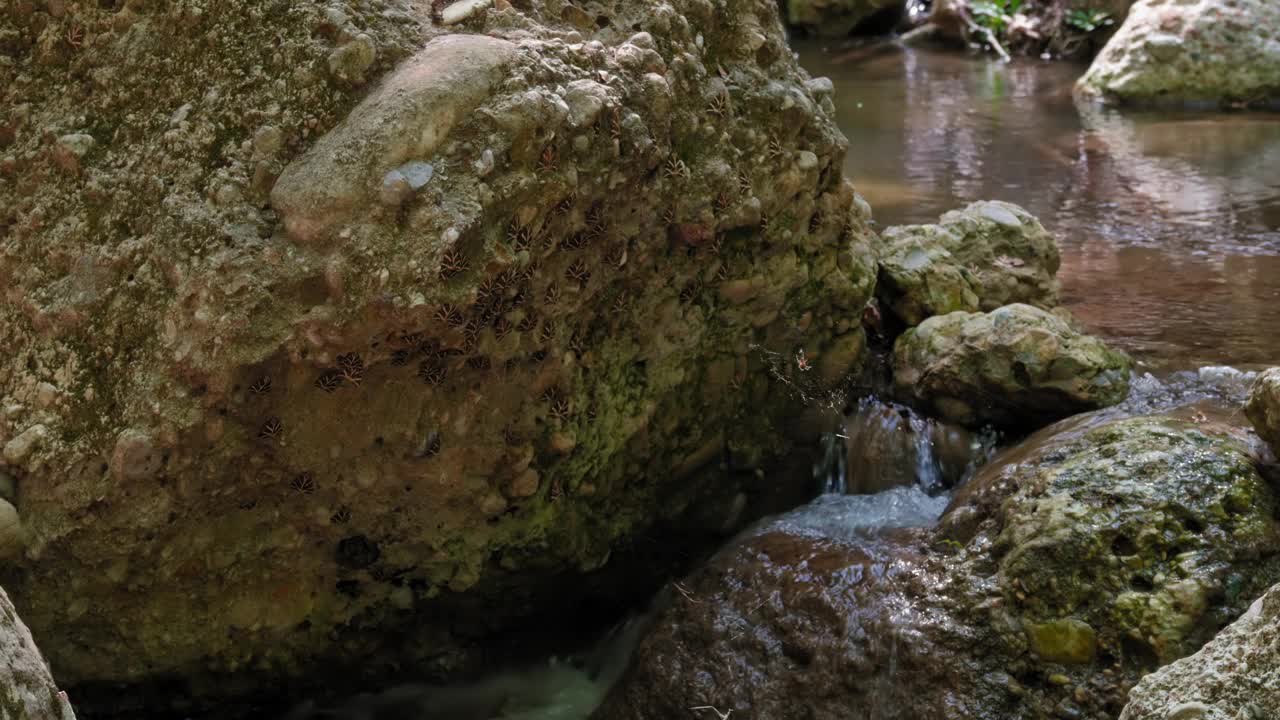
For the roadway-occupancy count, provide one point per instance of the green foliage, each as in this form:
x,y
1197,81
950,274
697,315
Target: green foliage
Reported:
x,y
995,15
1087,20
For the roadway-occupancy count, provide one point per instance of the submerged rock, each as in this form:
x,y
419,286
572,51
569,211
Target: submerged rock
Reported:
x,y
1198,52
1263,407
981,257
358,343
27,690
837,18
1235,677
1017,366
1062,573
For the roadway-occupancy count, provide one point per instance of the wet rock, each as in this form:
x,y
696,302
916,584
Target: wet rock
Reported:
x,y
987,255
278,330
29,690
1263,407
1200,52
1017,366
1236,675
1090,554
837,18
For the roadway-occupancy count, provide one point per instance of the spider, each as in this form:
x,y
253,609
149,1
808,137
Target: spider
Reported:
x,y
452,263
719,105
271,429
578,272
431,373
303,484
329,381
675,168
341,516
261,387
547,161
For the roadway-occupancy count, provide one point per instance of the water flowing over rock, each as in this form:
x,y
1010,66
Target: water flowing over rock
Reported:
x,y
1263,407
1235,677
1064,571
352,333
27,690
1196,52
1017,366
983,256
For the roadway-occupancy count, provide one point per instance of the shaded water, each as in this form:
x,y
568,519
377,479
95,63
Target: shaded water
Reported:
x,y
1169,223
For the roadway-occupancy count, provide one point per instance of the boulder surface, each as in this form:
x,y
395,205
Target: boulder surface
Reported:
x,y
1191,52
1018,367
1263,407
988,254
1067,569
1235,677
362,328
27,690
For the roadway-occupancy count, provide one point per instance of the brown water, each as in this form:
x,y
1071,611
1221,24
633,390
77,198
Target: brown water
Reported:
x,y
1169,223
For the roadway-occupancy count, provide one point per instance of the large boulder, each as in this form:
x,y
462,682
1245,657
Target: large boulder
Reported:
x,y
1067,569
837,18
1263,406
1013,367
983,256
1194,52
361,329
1235,677
27,690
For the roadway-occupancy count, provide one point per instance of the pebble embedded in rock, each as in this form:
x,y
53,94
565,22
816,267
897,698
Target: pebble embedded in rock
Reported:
x,y
135,457
350,61
19,448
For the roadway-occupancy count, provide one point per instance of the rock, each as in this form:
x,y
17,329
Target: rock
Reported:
x,y
11,535
837,18
29,690
1263,408
987,255
286,395
1198,52
1018,366
1093,552
1236,675
17,450
72,149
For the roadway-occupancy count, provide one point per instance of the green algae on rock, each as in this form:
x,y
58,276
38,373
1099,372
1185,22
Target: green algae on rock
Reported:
x,y
387,318
1017,366
1263,407
1062,573
980,257
1235,676
1196,52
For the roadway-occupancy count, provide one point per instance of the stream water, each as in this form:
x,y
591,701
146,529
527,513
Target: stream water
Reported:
x,y
1169,223
1170,233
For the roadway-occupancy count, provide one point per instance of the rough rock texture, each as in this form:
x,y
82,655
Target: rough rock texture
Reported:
x,y
1235,677
1067,569
1012,367
1263,408
349,322
978,258
1198,52
836,18
27,690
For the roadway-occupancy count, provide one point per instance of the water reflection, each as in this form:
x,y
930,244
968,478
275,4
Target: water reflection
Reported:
x,y
1169,223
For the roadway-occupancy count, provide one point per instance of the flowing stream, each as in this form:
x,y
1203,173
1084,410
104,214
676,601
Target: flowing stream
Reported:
x,y
1170,233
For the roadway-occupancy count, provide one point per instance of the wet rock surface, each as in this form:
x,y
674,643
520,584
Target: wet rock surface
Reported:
x,y
1015,367
981,257
343,348
1234,677
1263,406
27,690
1067,569
1199,52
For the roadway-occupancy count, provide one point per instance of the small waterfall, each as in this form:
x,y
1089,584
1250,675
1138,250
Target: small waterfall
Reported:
x,y
884,445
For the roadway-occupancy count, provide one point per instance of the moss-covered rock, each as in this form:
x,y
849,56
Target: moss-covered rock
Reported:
x,y
27,690
1062,573
1263,407
983,256
353,319
1013,367
1198,52
1237,675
